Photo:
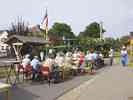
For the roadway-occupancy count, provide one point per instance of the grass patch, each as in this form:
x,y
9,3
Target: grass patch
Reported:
x,y
130,64
117,60
3,72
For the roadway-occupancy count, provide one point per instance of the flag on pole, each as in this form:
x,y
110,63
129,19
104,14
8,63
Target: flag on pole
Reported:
x,y
44,23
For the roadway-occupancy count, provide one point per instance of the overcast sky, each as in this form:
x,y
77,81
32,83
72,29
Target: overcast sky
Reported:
x,y
117,15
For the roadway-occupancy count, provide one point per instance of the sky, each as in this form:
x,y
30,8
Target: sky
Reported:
x,y
116,15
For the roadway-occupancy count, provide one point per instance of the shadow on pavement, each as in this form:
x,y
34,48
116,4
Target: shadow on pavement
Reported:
x,y
20,94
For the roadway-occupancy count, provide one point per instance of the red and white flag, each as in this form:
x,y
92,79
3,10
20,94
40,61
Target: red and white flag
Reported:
x,y
44,23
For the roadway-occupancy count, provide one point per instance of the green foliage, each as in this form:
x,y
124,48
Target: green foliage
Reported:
x,y
124,40
62,29
131,34
92,30
97,44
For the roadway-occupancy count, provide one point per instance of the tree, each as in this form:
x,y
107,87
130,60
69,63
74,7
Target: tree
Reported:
x,y
131,34
92,30
19,28
125,40
62,30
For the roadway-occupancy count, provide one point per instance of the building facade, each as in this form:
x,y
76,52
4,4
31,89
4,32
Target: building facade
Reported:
x,y
4,48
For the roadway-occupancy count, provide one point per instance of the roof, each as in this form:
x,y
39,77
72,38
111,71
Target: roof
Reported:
x,y
2,31
28,39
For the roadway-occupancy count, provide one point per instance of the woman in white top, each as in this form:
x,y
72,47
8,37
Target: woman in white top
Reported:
x,y
59,60
90,59
124,56
26,61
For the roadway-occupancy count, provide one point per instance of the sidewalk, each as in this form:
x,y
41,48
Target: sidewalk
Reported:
x,y
116,83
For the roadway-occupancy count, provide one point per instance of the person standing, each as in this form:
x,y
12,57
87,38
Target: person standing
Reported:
x,y
111,55
42,55
124,56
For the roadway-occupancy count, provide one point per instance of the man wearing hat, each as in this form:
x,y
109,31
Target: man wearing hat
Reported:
x,y
35,63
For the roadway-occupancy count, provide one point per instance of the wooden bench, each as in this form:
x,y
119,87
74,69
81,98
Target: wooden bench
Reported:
x,y
5,88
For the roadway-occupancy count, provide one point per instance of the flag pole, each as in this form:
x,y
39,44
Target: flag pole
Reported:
x,y
46,27
101,29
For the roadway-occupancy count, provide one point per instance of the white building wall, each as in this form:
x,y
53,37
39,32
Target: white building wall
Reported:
x,y
3,46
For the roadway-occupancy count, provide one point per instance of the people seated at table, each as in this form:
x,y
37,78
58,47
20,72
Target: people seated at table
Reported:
x,y
100,60
81,61
48,62
26,61
35,63
81,57
59,60
75,58
25,66
90,60
53,68
75,62
68,60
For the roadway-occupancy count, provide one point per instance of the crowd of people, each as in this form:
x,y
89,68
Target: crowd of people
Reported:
x,y
75,61
53,63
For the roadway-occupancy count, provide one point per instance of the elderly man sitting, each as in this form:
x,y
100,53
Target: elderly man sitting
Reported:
x,y
35,63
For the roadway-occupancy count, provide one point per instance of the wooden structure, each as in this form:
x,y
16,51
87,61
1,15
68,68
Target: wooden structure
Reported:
x,y
17,48
25,44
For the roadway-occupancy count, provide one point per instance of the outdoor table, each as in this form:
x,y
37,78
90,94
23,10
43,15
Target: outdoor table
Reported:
x,y
11,71
5,88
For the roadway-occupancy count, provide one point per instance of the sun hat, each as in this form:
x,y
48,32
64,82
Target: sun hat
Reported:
x,y
36,57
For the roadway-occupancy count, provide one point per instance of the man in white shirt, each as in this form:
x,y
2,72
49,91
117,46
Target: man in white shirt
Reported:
x,y
90,59
111,55
26,61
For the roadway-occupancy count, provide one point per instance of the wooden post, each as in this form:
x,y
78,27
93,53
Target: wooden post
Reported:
x,y
17,48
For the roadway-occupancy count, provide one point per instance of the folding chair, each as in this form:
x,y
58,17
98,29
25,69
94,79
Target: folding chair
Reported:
x,y
45,72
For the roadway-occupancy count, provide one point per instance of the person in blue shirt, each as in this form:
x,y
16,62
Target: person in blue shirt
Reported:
x,y
35,63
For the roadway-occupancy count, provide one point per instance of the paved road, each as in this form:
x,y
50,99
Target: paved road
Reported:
x,y
37,91
116,83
